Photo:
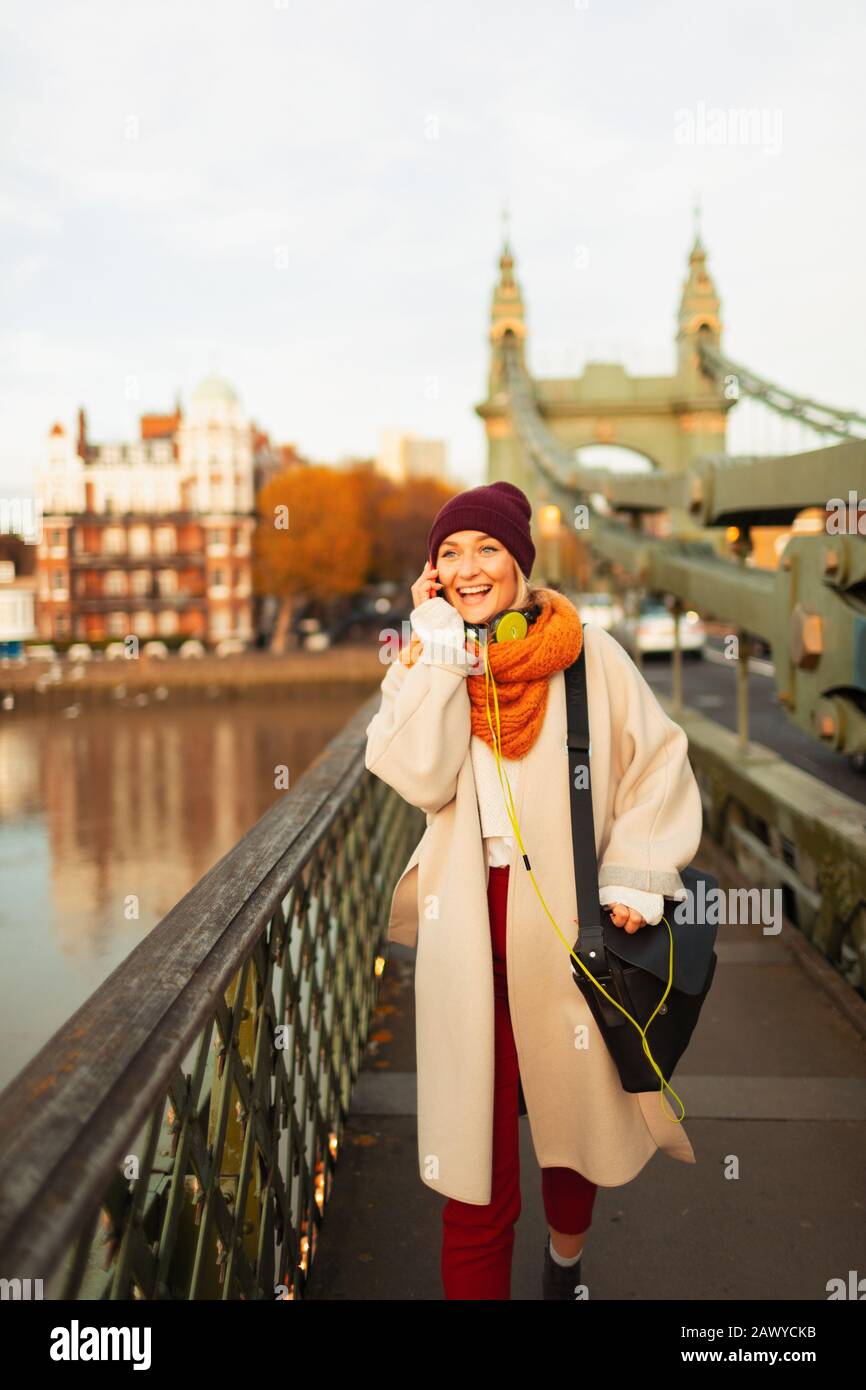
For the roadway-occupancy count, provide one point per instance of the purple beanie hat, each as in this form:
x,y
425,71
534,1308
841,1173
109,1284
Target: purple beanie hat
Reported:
x,y
497,509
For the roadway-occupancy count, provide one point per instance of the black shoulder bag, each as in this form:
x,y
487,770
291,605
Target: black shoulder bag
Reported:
x,y
633,968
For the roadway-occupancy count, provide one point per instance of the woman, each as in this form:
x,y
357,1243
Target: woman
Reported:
x,y
498,1015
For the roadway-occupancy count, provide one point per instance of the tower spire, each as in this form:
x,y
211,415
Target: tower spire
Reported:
x,y
698,245
506,317
699,311
506,257
505,224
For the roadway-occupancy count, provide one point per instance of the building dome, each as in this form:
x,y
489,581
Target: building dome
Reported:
x,y
215,403
214,389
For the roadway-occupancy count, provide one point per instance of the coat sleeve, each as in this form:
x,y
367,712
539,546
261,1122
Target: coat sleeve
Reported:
x,y
440,628
419,737
657,810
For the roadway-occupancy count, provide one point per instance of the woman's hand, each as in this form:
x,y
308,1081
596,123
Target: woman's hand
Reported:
x,y
623,916
425,586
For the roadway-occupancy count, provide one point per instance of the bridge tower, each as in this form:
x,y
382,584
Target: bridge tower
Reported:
x,y
669,420
505,458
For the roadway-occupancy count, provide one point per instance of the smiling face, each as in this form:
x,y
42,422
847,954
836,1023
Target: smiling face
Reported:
x,y
471,560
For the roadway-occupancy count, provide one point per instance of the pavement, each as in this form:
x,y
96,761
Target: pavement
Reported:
x,y
710,688
774,1090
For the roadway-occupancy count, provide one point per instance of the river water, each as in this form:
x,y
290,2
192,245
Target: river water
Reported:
x,y
120,812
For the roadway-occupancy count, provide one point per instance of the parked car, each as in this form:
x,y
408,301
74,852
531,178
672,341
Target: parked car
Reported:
x,y
79,651
649,627
230,646
601,609
158,649
361,624
192,647
116,651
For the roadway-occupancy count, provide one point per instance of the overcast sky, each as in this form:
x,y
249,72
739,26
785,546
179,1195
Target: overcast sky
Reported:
x,y
306,198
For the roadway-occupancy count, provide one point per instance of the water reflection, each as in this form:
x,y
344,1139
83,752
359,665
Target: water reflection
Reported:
x,y
108,819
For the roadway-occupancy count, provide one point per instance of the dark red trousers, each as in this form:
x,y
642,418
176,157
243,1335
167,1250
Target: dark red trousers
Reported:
x,y
478,1241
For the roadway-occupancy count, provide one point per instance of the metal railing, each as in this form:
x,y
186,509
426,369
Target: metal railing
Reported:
x,y
177,1138
787,833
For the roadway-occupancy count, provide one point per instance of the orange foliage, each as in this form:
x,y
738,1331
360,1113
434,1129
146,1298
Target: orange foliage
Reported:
x,y
399,517
311,536
346,527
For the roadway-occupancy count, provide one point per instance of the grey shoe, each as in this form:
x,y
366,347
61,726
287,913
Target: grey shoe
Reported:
x,y
559,1281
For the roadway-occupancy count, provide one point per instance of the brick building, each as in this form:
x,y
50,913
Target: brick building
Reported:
x,y
155,537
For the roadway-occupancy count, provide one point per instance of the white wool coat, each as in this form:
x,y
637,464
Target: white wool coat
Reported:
x,y
648,817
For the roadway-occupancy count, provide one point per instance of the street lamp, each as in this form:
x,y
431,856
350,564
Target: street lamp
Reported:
x,y
549,520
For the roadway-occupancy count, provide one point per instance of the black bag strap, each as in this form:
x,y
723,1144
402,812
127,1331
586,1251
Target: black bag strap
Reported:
x,y
649,948
589,945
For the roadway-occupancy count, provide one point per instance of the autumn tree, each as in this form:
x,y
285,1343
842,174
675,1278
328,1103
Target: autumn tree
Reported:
x,y
406,524
399,517
311,540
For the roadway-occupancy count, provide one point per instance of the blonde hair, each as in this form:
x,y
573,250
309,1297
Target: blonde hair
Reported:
x,y
525,591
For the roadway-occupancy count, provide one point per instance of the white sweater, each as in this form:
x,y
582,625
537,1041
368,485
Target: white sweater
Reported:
x,y
492,805
440,627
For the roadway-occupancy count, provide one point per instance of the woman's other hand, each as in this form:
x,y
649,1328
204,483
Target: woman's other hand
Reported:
x,y
426,586
623,916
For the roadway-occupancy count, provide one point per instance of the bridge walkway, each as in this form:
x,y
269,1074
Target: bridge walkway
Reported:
x,y
775,1076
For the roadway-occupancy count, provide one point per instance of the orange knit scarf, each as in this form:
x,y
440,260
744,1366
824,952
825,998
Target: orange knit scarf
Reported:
x,y
521,670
